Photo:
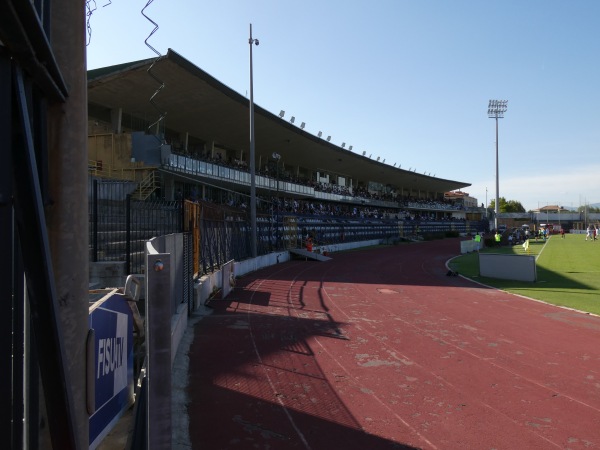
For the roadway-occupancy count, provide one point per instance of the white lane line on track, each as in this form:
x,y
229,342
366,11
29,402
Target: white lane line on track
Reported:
x,y
356,381
292,312
498,366
375,396
271,384
432,336
399,356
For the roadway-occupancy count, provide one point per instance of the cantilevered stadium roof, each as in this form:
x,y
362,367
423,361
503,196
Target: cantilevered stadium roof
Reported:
x,y
200,105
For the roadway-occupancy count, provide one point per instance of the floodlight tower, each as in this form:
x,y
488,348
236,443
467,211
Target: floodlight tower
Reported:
x,y
496,110
253,231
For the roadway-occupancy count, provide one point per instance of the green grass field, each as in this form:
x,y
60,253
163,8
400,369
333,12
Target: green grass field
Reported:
x,y
568,272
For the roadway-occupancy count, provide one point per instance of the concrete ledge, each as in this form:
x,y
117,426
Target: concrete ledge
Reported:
x,y
317,256
348,246
208,284
204,288
178,325
252,265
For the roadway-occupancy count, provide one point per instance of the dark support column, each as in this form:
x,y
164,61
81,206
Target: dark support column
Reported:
x,y
8,298
41,292
67,216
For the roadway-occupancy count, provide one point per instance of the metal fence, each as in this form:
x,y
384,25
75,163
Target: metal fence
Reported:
x,y
219,234
119,226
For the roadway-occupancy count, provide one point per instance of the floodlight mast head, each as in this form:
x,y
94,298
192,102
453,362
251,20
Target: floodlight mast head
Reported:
x,y
497,108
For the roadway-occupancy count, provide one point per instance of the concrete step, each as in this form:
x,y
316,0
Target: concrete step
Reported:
x,y
310,255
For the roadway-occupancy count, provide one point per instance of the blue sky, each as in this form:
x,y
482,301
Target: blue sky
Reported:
x,y
406,80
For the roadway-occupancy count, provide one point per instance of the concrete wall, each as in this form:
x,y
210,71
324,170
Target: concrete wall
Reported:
x,y
146,148
113,150
508,267
211,283
106,274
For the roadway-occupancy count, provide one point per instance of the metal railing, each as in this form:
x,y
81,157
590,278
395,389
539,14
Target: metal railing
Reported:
x,y
135,172
147,186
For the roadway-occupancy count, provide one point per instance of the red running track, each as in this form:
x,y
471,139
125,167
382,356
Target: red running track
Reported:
x,y
379,349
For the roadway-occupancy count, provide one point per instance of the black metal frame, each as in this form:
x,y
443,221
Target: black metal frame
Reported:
x,y
8,322
37,263
29,80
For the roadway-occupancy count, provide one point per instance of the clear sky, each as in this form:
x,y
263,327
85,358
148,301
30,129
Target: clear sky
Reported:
x,y
406,80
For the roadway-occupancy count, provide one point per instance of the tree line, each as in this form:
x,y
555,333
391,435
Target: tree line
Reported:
x,y
514,206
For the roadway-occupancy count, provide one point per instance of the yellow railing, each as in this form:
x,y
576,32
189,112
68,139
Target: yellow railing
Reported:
x,y
135,172
146,176
147,186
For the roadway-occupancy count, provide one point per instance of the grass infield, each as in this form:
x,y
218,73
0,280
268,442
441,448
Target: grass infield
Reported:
x,y
568,271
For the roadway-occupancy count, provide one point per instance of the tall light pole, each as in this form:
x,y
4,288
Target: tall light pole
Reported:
x,y
496,110
253,230
486,209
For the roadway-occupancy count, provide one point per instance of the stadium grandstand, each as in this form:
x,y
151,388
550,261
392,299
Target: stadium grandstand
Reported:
x,y
176,133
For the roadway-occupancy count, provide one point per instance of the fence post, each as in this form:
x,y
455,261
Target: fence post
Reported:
x,y
95,221
180,205
128,233
158,350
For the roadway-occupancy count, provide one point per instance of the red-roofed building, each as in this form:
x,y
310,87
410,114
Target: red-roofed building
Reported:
x,y
460,197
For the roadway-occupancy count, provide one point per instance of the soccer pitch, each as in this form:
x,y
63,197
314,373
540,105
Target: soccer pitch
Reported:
x,y
568,271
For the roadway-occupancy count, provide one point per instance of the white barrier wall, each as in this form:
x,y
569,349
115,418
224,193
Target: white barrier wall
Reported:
x,y
228,280
214,281
470,246
507,267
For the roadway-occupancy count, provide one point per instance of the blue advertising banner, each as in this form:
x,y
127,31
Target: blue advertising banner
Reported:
x,y
112,321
